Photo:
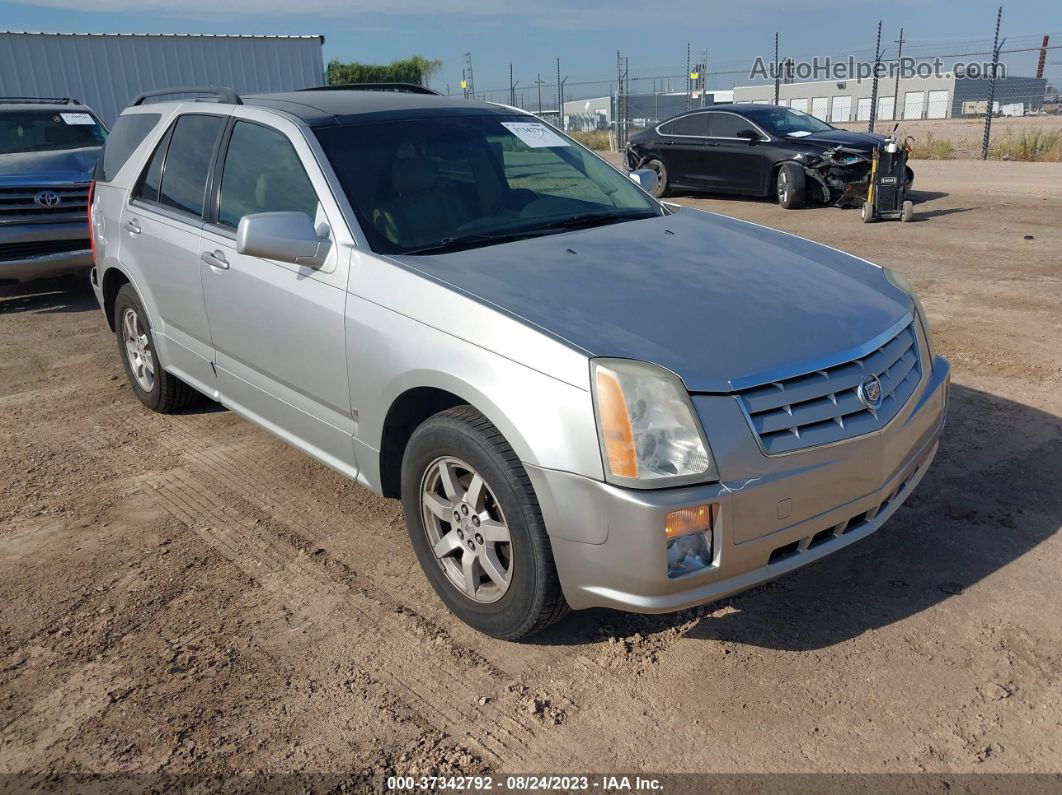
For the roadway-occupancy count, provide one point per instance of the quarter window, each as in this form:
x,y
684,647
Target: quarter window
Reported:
x,y
128,133
262,174
694,124
188,162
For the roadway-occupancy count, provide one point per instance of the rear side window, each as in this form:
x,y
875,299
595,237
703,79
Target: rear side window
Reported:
x,y
727,125
262,174
128,133
188,162
696,124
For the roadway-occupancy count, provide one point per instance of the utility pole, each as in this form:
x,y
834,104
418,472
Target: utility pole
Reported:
x,y
560,98
704,79
468,83
777,75
619,103
996,45
874,85
538,81
689,79
896,91
512,87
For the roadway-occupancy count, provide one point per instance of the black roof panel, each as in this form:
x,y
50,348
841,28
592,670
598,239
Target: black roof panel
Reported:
x,y
329,107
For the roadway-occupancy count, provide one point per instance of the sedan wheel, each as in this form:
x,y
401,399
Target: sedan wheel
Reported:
x,y
466,529
791,186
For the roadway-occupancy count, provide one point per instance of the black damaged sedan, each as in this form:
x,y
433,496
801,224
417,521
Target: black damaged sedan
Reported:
x,y
757,150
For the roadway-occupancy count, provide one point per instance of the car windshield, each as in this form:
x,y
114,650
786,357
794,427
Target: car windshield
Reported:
x,y
431,185
48,130
786,121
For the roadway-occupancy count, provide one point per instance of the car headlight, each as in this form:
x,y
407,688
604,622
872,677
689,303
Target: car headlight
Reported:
x,y
649,434
899,281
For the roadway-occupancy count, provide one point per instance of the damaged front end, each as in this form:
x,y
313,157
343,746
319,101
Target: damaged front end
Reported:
x,y
839,175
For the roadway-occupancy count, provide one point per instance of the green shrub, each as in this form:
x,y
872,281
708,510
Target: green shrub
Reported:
x,y
416,69
1033,145
932,149
596,139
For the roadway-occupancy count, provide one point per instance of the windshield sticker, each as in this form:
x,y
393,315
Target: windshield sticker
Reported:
x,y
798,133
535,135
77,118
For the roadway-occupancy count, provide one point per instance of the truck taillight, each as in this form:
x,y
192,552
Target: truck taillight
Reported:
x,y
92,236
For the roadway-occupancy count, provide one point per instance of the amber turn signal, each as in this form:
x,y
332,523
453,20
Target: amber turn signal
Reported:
x,y
616,431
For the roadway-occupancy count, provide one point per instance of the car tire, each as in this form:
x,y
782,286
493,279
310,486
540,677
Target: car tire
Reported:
x,y
661,177
154,387
502,583
791,186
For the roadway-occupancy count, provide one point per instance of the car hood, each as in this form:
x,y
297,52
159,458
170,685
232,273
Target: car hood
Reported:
x,y
828,138
718,301
54,167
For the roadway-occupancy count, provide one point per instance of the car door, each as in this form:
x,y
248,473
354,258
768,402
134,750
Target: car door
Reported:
x,y
278,328
733,164
681,144
161,228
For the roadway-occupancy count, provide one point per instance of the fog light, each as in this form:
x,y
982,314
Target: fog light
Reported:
x,y
689,538
688,553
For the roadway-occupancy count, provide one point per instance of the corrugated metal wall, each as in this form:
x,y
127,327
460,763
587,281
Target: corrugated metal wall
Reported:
x,y
106,71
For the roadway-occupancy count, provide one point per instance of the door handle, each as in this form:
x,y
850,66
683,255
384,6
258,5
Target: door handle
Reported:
x,y
712,143
215,259
132,226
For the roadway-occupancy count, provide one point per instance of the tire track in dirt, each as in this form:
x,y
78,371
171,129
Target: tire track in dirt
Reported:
x,y
285,568
288,560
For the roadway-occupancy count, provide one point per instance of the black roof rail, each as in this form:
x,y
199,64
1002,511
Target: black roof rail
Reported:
x,y
401,88
38,101
222,94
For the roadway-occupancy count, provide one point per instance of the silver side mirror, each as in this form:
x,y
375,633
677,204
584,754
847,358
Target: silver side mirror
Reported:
x,y
645,178
286,237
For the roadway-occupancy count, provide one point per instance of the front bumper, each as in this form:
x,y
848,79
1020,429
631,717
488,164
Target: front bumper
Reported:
x,y
609,542
23,267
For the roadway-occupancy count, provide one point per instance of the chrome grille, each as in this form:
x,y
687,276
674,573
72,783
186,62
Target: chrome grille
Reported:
x,y
17,204
823,406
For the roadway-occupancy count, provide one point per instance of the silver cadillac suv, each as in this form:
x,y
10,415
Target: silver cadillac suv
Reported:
x,y
582,397
48,150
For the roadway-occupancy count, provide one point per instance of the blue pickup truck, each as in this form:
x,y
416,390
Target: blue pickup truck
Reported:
x,y
48,150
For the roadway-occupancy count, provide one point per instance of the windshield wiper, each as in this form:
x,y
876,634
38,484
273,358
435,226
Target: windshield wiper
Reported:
x,y
584,220
580,221
472,240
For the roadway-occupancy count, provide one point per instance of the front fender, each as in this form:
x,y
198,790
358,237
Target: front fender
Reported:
x,y
407,332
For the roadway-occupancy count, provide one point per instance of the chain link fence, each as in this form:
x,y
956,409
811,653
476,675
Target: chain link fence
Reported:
x,y
943,97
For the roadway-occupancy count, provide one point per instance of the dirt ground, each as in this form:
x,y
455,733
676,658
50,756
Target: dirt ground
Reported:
x,y
186,594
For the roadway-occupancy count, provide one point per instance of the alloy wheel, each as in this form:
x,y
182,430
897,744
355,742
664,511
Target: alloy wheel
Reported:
x,y
138,349
466,529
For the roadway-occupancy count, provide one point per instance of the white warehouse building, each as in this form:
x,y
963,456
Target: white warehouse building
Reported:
x,y
934,97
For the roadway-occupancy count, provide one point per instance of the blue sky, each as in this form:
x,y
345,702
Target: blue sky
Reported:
x,y
585,35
